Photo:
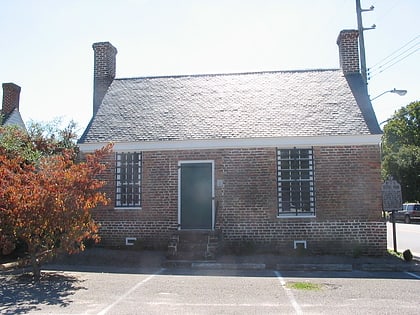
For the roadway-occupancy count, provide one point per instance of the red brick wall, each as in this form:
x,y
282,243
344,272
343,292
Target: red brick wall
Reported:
x,y
348,45
11,95
348,201
348,183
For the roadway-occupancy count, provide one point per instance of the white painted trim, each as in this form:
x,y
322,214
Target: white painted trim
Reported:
x,y
129,241
283,142
126,208
213,219
296,216
298,242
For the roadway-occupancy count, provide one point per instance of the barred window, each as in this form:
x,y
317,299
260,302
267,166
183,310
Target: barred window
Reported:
x,y
128,180
295,182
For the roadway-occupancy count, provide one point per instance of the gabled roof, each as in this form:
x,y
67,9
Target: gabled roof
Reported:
x,y
233,106
13,118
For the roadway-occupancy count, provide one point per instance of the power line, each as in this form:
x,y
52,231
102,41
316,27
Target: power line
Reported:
x,y
375,69
401,59
395,52
391,60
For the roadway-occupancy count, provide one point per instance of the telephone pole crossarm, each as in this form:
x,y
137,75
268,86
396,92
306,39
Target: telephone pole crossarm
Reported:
x,y
360,28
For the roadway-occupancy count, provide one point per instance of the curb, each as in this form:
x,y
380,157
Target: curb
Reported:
x,y
214,265
10,265
381,267
389,267
315,267
371,267
227,266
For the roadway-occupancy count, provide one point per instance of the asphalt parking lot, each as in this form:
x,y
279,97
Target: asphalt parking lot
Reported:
x,y
106,290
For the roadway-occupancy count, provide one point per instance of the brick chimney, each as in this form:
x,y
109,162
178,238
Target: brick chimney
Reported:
x,y
104,71
347,42
11,94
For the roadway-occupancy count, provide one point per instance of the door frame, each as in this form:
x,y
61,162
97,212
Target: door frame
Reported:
x,y
212,189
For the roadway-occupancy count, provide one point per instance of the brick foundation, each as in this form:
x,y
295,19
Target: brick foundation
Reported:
x,y
332,237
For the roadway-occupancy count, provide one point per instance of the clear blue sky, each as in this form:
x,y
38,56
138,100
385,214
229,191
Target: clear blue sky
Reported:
x,y
46,45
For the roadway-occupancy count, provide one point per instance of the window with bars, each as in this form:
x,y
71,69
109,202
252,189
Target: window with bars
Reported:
x,y
295,182
128,180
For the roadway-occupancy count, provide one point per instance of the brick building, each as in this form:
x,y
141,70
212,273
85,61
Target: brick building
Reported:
x,y
276,159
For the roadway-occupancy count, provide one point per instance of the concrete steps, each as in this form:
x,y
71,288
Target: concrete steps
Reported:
x,y
194,245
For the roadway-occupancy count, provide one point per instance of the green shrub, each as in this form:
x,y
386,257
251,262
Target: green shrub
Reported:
x,y
408,256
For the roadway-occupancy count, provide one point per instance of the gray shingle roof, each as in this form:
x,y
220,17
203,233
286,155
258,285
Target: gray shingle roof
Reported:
x,y
13,118
246,105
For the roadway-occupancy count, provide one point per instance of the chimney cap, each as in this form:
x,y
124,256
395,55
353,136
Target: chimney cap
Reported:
x,y
350,33
104,44
10,86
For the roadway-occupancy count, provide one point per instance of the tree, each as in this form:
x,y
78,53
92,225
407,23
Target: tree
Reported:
x,y
40,140
46,195
401,150
50,139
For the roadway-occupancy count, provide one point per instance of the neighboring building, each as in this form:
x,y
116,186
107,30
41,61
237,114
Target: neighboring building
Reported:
x,y
275,159
10,114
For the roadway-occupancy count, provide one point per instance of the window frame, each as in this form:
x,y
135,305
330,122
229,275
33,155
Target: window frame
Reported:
x,y
133,186
296,181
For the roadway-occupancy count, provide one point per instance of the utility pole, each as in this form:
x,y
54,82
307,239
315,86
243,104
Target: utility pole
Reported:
x,y
360,28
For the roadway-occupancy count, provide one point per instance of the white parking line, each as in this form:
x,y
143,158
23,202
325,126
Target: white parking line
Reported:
x,y
105,310
413,275
289,293
233,305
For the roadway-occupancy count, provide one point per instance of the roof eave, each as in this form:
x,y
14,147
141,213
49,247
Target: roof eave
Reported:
x,y
283,142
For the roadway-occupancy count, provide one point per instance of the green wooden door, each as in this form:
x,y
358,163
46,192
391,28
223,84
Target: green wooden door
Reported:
x,y
196,202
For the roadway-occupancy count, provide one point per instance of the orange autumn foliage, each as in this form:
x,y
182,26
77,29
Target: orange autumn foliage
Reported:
x,y
47,204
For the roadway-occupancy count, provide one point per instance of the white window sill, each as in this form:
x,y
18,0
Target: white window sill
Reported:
x,y
126,208
296,216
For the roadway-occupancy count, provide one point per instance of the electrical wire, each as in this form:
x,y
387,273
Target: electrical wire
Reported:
x,y
401,59
396,62
378,63
378,69
382,66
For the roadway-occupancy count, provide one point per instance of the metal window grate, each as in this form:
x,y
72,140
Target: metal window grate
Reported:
x,y
128,179
295,182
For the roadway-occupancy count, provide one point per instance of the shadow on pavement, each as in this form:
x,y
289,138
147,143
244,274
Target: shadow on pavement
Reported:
x,y
19,294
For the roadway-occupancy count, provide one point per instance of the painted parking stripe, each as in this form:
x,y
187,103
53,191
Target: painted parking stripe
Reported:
x,y
289,293
122,297
413,275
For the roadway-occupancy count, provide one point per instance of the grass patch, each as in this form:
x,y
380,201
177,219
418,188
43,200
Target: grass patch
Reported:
x,y
305,286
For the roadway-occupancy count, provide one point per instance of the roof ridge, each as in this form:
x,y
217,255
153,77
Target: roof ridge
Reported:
x,y
227,74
